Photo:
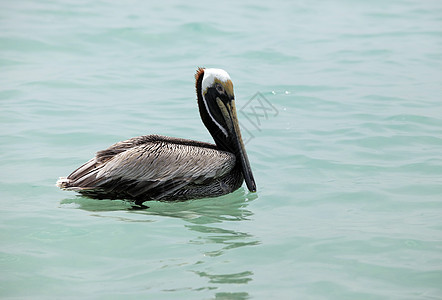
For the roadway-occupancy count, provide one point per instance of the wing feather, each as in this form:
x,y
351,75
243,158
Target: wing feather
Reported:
x,y
150,164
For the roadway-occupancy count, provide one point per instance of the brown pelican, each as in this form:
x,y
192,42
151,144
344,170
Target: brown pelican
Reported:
x,y
154,167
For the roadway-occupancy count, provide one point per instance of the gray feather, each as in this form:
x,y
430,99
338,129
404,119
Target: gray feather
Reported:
x,y
155,167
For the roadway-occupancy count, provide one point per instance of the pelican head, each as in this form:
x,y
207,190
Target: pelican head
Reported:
x,y
216,103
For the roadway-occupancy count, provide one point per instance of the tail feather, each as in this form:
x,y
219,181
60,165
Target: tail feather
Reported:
x,y
82,178
63,183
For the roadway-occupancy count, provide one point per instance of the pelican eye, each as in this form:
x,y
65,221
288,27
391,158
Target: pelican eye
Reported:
x,y
219,88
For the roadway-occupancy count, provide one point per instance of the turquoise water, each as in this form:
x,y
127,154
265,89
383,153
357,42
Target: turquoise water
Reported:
x,y
340,104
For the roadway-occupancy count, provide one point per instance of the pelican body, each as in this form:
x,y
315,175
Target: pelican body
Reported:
x,y
154,167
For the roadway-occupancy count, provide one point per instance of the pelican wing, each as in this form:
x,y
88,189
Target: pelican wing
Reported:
x,y
151,164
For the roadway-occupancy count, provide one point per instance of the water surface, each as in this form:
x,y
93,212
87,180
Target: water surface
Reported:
x,y
343,130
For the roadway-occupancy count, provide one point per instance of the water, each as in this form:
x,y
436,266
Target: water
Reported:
x,y
344,138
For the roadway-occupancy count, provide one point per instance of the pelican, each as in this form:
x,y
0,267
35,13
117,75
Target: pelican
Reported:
x,y
155,167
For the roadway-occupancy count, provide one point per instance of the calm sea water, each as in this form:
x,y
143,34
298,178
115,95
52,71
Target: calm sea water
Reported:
x,y
340,104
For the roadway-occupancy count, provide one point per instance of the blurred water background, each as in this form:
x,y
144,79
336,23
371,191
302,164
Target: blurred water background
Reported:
x,y
340,105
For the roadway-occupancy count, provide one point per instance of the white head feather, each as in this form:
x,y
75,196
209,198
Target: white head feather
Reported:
x,y
210,75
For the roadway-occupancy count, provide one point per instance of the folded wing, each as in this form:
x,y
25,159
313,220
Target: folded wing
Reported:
x,y
148,166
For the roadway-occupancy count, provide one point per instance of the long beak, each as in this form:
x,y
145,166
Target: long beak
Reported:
x,y
231,119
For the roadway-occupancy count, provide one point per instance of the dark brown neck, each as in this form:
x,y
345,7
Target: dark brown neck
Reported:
x,y
221,141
